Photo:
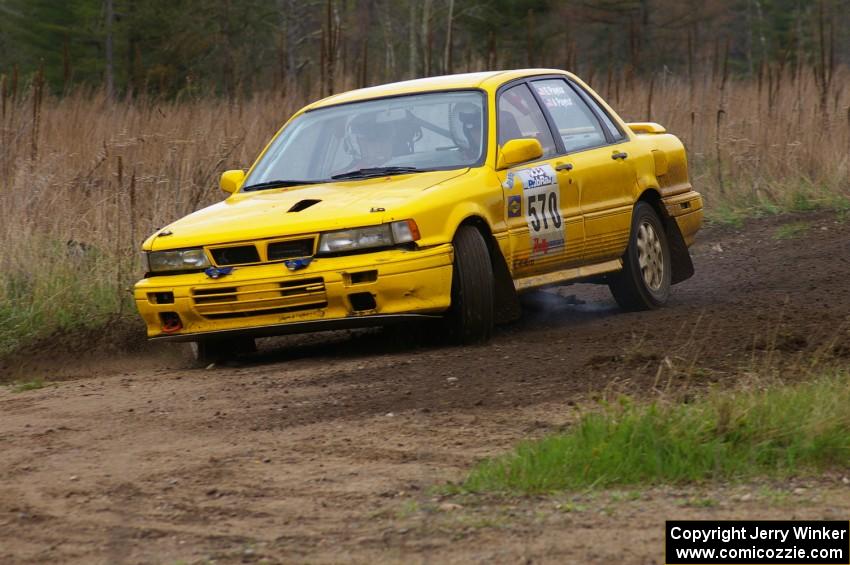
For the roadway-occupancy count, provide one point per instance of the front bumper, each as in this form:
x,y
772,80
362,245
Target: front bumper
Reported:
x,y
330,293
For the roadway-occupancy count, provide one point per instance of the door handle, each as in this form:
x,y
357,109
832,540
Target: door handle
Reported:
x,y
619,155
564,167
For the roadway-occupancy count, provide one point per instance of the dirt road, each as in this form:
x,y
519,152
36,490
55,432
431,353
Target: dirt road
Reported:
x,y
328,448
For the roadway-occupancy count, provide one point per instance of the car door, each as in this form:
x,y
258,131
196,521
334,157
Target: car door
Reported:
x,y
541,212
599,172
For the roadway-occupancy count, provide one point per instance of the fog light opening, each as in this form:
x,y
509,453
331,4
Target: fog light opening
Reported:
x,y
161,297
362,301
170,322
363,277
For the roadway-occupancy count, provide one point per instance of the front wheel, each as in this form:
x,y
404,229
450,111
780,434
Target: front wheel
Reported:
x,y
644,282
471,316
212,350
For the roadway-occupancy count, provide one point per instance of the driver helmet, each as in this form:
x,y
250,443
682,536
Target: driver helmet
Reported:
x,y
363,129
465,126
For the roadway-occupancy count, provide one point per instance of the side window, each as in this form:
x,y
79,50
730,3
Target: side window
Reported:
x,y
520,116
616,134
576,123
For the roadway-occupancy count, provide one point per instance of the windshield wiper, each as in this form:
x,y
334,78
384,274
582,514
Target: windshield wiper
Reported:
x,y
376,172
276,184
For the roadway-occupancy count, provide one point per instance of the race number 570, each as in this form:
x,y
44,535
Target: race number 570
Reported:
x,y
547,206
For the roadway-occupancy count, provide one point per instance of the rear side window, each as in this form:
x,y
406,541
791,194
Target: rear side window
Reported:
x,y
576,123
609,124
521,117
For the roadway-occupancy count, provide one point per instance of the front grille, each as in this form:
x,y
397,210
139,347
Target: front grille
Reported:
x,y
291,249
259,299
241,255
262,251
298,287
210,295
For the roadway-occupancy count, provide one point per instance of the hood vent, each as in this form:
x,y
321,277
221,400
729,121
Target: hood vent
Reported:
x,y
302,205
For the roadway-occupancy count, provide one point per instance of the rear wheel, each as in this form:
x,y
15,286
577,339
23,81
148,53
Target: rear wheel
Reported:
x,y
470,318
216,350
644,282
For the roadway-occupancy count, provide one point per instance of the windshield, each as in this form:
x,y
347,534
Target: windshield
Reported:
x,y
440,130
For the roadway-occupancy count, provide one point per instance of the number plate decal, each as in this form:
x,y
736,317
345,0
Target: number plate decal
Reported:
x,y
541,198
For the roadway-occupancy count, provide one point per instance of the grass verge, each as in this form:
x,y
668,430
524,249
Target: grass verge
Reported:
x,y
34,384
50,290
735,208
779,431
791,231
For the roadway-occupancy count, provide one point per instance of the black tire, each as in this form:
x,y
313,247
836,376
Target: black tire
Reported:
x,y
217,350
647,286
470,317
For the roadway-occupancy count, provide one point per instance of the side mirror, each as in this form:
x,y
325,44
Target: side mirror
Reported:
x,y
518,151
231,180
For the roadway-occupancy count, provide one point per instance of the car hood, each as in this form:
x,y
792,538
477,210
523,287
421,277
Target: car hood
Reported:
x,y
265,214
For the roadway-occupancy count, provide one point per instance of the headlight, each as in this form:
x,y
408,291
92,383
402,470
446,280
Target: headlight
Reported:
x,y
384,235
177,260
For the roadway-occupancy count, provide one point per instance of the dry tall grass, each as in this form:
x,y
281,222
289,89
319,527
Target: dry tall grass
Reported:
x,y
95,179
84,180
753,145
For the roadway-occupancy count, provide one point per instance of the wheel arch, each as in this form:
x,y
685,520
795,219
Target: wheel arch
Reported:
x,y
683,266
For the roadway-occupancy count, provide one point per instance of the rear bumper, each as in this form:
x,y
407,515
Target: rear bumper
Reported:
x,y
331,293
686,209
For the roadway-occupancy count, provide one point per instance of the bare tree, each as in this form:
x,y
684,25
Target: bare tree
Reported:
x,y
110,77
385,19
331,32
824,57
427,37
447,55
412,48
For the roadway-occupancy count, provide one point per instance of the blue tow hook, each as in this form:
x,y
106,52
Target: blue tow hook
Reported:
x,y
297,264
216,272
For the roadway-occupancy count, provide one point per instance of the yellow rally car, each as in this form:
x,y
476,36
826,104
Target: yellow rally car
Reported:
x,y
440,197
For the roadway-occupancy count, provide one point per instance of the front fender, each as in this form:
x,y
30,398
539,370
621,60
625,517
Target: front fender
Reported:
x,y
440,210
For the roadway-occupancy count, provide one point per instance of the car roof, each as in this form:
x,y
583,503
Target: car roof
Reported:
x,y
486,80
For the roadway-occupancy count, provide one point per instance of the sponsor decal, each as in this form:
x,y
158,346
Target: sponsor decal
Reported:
x,y
542,202
514,206
554,95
